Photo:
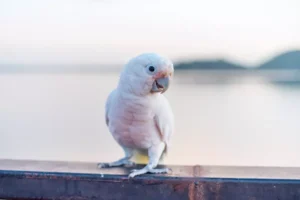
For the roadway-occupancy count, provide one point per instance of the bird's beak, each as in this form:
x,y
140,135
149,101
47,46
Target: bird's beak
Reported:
x,y
161,84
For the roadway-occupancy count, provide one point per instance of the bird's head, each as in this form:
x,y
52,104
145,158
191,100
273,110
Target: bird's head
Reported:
x,y
145,74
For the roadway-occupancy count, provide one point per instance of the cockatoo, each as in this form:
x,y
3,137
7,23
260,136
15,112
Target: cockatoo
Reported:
x,y
138,115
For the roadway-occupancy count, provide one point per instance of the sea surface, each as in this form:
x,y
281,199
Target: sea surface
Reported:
x,y
232,119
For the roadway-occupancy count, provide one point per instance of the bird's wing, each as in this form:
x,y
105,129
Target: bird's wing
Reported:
x,y
108,105
164,120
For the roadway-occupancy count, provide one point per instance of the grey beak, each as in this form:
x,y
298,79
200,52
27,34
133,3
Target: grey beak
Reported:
x,y
160,85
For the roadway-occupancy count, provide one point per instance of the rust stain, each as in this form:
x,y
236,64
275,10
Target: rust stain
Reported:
x,y
179,187
191,191
196,191
197,170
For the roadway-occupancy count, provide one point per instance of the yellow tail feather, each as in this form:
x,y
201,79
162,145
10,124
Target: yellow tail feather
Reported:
x,y
141,157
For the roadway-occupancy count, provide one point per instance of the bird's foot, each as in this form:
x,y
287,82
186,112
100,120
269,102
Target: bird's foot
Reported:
x,y
136,172
126,163
130,164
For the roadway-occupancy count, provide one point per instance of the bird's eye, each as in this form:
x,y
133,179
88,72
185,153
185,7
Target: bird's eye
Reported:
x,y
151,69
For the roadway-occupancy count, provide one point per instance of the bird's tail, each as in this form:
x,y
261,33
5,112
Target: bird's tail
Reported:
x,y
141,157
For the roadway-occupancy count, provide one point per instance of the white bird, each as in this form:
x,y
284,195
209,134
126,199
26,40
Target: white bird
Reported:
x,y
137,113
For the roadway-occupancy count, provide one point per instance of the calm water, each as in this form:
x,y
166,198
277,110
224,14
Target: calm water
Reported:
x,y
61,117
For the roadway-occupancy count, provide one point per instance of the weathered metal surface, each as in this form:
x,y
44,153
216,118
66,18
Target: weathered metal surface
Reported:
x,y
69,180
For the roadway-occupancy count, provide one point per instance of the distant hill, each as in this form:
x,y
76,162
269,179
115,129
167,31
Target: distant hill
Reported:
x,y
208,65
288,60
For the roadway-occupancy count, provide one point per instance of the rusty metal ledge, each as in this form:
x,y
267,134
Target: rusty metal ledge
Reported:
x,y
25,179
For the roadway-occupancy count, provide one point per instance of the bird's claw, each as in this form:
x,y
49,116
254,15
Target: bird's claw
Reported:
x,y
136,172
169,170
103,165
129,164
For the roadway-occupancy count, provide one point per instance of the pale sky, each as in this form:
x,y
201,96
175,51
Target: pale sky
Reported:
x,y
112,31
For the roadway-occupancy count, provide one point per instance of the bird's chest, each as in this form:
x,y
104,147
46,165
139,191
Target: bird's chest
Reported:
x,y
132,124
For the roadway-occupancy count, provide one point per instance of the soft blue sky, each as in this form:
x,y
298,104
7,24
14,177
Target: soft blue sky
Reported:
x,y
111,31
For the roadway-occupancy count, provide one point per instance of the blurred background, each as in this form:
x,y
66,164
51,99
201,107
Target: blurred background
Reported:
x,y
235,95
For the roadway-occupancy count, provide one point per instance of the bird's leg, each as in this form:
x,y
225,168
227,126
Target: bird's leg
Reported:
x,y
123,161
154,154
